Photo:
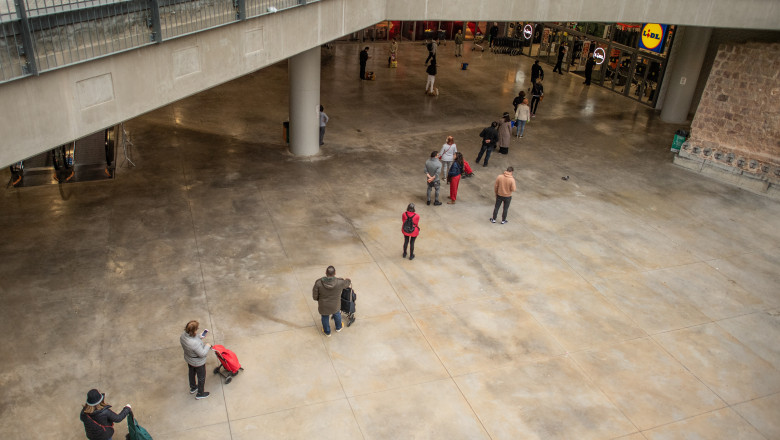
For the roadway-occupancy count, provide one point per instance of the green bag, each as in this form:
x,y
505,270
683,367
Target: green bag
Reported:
x,y
136,432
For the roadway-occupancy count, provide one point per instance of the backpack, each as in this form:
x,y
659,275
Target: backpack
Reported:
x,y
409,224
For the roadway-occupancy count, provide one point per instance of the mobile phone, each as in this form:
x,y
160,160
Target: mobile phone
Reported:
x,y
203,335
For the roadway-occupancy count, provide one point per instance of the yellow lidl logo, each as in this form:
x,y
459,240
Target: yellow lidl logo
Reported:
x,y
652,36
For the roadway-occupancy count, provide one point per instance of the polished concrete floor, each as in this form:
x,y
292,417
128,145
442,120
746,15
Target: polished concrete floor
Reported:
x,y
635,300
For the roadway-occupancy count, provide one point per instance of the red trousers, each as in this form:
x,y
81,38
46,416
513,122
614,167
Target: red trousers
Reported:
x,y
454,181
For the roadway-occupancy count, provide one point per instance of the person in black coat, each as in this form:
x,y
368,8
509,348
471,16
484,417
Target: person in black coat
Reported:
x,y
559,64
536,72
98,418
589,69
489,137
363,60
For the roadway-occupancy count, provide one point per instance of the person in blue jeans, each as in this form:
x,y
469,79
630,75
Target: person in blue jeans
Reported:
x,y
327,293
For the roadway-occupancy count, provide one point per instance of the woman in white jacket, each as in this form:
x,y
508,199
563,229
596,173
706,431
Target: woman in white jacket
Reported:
x,y
447,156
195,351
522,115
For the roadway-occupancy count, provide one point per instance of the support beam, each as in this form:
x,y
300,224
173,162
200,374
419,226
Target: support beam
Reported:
x,y
690,46
304,72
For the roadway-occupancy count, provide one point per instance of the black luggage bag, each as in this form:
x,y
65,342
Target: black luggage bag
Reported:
x,y
348,298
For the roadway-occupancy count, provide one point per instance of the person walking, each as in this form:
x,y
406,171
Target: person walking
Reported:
x,y
410,227
195,351
431,71
536,72
504,133
327,293
589,64
323,122
447,155
453,177
504,187
432,45
536,96
522,115
459,43
432,170
559,64
363,60
489,137
98,418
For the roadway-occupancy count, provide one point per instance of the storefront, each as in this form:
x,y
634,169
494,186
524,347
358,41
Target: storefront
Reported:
x,y
630,58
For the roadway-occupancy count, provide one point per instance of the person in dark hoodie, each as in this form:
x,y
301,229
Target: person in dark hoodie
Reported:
x,y
489,137
327,293
98,418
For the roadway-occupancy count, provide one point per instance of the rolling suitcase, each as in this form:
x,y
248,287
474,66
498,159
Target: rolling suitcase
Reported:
x,y
348,298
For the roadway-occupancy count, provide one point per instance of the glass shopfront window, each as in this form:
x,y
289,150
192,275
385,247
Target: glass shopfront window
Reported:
x,y
621,65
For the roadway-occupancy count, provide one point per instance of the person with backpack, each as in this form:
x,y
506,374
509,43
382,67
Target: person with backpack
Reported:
x,y
98,418
410,227
453,177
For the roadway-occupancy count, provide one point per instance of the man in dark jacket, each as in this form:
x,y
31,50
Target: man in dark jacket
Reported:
x,y
363,61
589,69
493,33
98,418
327,293
489,137
559,64
536,72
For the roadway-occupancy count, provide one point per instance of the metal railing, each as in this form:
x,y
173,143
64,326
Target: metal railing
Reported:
x,y
41,35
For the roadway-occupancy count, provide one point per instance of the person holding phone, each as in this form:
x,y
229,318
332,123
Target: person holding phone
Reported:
x,y
195,352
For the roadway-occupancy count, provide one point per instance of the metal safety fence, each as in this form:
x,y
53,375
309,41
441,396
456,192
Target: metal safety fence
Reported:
x,y
41,35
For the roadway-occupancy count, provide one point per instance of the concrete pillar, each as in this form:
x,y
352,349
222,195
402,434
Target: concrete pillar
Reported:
x,y
690,46
304,72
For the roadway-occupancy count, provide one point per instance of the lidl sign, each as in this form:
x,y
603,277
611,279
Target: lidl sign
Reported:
x,y
653,35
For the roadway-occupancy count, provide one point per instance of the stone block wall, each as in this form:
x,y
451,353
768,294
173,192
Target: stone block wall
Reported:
x,y
736,129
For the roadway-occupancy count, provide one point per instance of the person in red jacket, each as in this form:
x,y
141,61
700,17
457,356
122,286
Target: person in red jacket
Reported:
x,y
410,227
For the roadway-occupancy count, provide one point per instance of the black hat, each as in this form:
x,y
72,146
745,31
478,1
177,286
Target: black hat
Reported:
x,y
94,397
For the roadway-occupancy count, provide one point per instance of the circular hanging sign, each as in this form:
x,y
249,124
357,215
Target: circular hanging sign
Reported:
x,y
651,35
599,55
528,31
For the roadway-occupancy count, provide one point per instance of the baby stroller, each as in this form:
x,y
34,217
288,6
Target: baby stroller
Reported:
x,y
348,298
229,366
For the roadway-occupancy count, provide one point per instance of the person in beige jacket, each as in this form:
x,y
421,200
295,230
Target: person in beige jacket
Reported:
x,y
504,187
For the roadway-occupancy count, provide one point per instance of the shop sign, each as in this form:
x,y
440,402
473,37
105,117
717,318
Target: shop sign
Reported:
x,y
528,31
599,55
653,37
